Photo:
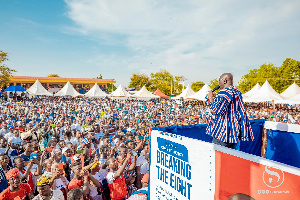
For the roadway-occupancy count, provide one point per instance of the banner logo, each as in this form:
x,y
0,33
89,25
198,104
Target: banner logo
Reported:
x,y
273,177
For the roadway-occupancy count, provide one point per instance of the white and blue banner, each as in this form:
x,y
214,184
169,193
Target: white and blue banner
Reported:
x,y
175,172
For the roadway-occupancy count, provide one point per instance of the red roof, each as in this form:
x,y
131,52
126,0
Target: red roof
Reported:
x,y
61,78
159,93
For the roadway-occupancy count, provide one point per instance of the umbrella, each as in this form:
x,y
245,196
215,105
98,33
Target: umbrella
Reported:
x,y
15,88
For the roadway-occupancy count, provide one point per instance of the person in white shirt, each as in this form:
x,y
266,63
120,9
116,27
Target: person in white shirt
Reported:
x,y
4,130
45,192
15,139
10,133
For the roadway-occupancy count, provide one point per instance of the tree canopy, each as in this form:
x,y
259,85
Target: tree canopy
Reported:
x,y
196,86
53,75
213,83
110,86
99,77
163,80
5,72
280,78
137,81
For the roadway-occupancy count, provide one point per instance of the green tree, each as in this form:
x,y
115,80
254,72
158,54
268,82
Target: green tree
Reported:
x,y
110,86
5,72
164,80
289,71
213,83
53,75
196,86
137,81
99,77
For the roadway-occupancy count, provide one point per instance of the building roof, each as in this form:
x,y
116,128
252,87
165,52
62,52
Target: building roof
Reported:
x,y
61,79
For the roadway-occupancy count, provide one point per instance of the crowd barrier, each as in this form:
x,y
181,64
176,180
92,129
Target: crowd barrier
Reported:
x,y
283,143
198,132
183,168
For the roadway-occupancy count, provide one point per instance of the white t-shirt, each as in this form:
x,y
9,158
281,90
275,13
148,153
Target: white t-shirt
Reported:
x,y
145,168
8,135
110,177
141,160
98,136
15,140
57,195
93,189
60,184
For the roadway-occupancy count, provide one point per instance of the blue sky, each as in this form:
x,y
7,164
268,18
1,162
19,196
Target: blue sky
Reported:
x,y
195,38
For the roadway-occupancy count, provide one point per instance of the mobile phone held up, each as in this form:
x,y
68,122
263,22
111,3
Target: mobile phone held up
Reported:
x,y
61,168
134,153
33,155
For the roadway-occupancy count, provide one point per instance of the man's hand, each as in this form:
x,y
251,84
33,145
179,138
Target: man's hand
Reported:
x,y
56,174
129,154
30,164
35,161
85,173
210,94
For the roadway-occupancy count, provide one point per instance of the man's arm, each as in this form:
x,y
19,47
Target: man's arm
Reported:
x,y
132,166
95,181
219,104
25,175
38,169
122,168
90,165
86,184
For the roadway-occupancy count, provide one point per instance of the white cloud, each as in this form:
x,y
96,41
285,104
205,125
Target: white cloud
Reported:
x,y
197,39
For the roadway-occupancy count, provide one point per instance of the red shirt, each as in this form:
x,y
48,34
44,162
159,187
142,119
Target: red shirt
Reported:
x,y
74,183
29,179
20,194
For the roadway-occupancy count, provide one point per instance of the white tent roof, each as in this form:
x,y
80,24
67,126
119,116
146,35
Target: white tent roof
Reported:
x,y
38,89
120,92
253,91
265,93
185,93
95,91
144,93
201,94
67,90
291,91
293,100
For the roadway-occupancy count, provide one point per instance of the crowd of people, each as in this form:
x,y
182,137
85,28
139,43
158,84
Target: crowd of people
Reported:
x,y
79,148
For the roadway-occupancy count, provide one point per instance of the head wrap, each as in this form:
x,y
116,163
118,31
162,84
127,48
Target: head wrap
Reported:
x,y
43,180
12,173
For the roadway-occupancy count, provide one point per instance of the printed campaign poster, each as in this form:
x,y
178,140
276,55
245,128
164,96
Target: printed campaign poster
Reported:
x,y
181,168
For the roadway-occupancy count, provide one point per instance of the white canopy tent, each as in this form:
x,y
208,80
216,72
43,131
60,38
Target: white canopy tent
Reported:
x,y
144,94
253,91
38,89
293,100
95,91
265,93
68,90
120,92
185,93
201,94
291,91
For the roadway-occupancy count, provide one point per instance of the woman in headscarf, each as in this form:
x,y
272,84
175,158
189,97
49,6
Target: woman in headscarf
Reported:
x,y
16,189
45,192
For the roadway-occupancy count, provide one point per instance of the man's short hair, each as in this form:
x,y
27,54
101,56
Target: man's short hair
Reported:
x,y
17,158
75,164
74,194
